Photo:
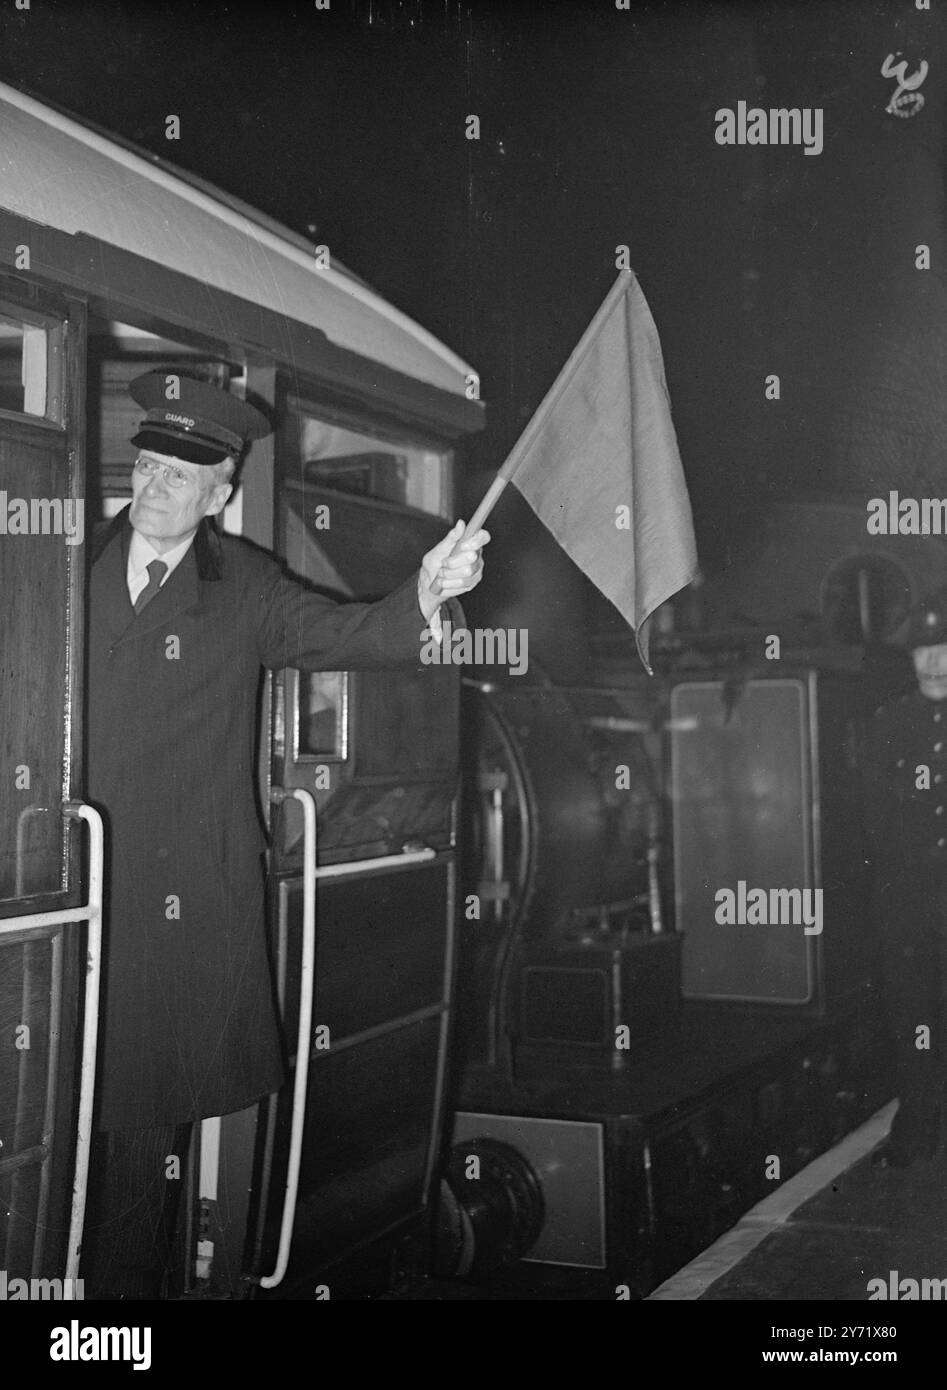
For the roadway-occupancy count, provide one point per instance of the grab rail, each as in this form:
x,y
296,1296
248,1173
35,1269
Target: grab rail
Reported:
x,y
307,972
90,912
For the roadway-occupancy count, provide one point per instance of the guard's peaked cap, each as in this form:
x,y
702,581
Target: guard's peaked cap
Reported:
x,y
193,420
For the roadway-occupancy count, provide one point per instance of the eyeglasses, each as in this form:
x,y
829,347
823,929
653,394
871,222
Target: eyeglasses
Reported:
x,y
174,477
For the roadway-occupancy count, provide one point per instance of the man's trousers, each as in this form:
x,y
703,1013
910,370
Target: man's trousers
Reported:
x,y
135,1181
913,971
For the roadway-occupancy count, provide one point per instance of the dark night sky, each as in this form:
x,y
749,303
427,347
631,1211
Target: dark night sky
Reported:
x,y
597,129
353,132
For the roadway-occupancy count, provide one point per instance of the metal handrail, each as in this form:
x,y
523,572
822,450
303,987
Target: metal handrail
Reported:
x,y
384,861
303,1044
90,912
311,873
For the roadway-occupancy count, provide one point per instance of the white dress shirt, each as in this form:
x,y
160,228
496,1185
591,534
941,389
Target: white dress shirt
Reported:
x,y
140,555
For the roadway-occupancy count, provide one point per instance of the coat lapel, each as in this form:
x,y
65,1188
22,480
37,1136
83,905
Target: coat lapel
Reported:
x,y
111,604
181,590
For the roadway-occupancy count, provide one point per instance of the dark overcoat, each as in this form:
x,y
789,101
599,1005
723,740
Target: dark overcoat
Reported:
x,y
906,850
189,1024
906,823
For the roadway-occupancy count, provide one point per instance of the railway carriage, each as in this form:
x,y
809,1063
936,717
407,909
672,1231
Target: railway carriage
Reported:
x,y
112,263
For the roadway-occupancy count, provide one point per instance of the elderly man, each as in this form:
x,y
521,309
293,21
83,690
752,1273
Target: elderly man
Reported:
x,y
182,619
907,851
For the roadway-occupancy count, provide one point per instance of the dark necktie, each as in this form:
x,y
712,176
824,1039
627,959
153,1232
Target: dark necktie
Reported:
x,y
156,572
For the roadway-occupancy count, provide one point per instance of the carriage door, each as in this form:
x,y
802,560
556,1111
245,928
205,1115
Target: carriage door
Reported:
x,y
42,830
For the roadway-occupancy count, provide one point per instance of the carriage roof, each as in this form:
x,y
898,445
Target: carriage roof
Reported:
x,y
63,174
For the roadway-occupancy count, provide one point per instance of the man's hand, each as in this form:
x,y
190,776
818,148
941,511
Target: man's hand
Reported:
x,y
458,573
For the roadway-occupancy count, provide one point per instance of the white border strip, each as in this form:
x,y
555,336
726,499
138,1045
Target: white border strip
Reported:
x,y
774,1211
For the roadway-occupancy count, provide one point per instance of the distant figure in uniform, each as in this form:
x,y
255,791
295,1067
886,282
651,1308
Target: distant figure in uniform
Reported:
x,y
907,851
181,620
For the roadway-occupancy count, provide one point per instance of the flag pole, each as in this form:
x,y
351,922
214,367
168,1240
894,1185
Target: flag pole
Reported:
x,y
518,452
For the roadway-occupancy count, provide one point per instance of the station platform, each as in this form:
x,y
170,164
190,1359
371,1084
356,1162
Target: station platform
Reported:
x,y
829,1231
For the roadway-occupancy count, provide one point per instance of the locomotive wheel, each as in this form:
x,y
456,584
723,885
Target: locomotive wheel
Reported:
x,y
497,1210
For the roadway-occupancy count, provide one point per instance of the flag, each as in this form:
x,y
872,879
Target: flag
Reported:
x,y
600,467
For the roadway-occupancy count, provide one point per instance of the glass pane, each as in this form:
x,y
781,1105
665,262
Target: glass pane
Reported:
x,y
26,982
321,714
24,357
20,1195
345,460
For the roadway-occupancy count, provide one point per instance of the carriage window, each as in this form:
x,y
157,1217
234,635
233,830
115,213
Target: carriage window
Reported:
x,y
343,459
30,368
320,709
